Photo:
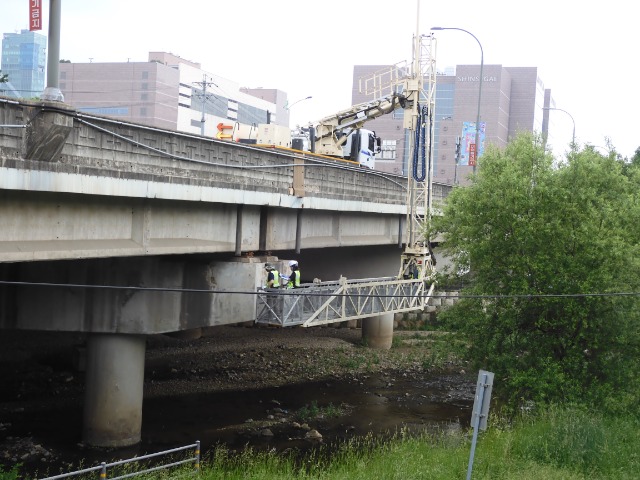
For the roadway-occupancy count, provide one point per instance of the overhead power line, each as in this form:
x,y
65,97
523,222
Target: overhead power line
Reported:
x,y
305,291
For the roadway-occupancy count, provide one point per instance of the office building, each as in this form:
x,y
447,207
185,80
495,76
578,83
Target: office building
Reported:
x,y
24,60
168,92
513,99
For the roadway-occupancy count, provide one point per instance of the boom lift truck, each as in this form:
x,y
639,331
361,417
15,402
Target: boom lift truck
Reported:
x,y
342,135
330,302
339,136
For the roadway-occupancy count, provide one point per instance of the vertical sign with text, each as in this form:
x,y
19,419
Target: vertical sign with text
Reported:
x,y
35,15
469,151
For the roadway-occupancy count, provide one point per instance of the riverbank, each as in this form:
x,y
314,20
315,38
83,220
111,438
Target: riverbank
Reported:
x,y
231,375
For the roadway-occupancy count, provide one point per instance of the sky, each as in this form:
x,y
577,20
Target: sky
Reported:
x,y
585,51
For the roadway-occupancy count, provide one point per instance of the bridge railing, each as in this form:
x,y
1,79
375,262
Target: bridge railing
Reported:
x,y
332,302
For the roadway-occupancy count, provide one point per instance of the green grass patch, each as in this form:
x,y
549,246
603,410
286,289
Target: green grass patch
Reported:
x,y
313,411
560,443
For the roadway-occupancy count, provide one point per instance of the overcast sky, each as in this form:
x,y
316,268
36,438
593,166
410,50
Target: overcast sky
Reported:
x,y
586,51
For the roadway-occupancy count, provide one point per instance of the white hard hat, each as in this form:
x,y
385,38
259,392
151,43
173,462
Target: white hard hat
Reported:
x,y
293,263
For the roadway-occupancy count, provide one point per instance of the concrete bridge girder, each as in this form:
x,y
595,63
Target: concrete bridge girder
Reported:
x,y
322,229
44,226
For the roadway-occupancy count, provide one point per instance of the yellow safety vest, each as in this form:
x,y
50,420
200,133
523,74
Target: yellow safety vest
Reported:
x,y
276,279
297,284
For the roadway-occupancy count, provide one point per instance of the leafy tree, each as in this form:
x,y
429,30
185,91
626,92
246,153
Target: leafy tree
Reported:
x,y
536,236
635,160
4,77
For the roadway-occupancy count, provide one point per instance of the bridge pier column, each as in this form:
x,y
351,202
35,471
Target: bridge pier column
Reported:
x,y
114,389
377,331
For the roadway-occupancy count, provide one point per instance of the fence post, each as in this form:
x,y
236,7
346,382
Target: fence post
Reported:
x,y
103,471
197,455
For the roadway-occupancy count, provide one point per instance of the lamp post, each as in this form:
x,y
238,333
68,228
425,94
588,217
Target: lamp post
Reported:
x,y
52,92
573,136
288,107
479,86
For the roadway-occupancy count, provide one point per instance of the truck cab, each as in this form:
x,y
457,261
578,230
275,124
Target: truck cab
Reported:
x,y
361,146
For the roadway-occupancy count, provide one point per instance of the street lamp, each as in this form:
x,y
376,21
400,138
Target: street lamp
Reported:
x,y
52,92
573,136
297,101
479,86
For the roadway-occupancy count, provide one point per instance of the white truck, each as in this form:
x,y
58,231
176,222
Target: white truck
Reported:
x,y
341,134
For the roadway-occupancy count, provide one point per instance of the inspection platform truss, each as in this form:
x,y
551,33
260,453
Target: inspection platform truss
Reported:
x,y
332,302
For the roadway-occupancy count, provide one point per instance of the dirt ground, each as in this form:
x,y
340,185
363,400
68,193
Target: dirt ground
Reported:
x,y
39,370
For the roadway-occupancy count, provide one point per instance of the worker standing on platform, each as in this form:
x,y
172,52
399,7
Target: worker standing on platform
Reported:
x,y
273,276
294,278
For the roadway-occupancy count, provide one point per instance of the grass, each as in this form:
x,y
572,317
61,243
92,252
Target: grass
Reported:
x,y
561,443
313,411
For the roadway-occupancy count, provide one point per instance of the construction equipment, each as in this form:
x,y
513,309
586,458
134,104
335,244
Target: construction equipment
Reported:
x,y
411,87
341,134
337,136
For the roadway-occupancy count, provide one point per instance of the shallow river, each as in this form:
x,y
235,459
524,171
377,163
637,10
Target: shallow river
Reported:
x,y
380,405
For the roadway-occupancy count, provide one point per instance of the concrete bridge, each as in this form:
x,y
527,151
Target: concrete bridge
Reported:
x,y
156,218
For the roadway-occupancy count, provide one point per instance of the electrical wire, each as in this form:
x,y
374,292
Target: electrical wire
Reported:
x,y
306,292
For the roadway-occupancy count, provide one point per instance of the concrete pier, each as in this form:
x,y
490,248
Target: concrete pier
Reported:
x,y
114,390
377,331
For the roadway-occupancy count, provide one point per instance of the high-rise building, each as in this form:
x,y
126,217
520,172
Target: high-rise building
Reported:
x,y
169,92
513,99
24,60
275,96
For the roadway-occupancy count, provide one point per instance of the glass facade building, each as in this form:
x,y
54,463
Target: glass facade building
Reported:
x,y
24,60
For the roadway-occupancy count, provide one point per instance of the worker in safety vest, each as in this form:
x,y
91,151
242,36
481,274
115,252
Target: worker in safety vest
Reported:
x,y
273,276
294,278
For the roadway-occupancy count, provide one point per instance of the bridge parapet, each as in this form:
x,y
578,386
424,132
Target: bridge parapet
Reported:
x,y
181,166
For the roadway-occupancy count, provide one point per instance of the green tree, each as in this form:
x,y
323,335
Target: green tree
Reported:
x,y
4,77
635,160
536,235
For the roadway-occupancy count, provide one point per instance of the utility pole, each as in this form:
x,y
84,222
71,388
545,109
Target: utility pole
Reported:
x,y
203,84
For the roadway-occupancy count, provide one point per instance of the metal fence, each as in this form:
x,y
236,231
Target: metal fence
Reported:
x,y
103,468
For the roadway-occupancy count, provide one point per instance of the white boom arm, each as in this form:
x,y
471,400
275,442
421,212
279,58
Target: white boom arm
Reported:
x,y
331,132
